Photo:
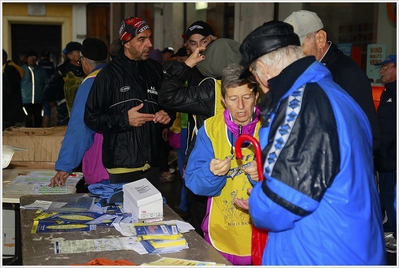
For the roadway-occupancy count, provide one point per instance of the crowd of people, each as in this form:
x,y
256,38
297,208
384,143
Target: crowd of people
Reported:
x,y
328,157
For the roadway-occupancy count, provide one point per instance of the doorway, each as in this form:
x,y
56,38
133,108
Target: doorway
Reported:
x,y
36,37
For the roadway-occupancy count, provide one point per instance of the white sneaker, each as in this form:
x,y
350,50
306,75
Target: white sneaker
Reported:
x,y
390,243
385,218
388,236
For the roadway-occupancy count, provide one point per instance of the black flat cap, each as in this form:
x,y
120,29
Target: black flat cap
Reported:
x,y
265,39
94,49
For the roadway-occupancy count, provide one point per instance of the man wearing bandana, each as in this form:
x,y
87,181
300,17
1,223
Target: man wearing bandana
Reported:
x,y
123,105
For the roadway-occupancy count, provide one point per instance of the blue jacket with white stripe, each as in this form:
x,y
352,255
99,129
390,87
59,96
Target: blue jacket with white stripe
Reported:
x,y
319,199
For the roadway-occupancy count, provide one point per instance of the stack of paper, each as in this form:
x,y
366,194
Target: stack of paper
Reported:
x,y
160,238
8,152
55,221
36,182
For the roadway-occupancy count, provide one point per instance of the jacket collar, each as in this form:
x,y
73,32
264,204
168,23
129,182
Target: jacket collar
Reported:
x,y
333,53
280,84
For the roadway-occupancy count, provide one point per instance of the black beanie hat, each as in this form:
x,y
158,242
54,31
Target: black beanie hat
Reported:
x,y
94,49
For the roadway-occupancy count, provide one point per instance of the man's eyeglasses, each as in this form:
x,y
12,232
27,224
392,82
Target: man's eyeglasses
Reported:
x,y
79,62
385,67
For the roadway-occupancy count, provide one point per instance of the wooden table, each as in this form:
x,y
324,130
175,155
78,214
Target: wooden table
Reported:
x,y
38,249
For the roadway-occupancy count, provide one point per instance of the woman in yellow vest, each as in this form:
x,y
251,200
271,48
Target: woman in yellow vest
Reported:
x,y
213,170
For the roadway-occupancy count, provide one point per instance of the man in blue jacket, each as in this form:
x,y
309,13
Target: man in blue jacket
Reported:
x,y
79,139
319,200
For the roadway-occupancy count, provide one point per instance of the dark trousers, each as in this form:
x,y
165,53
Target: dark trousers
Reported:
x,y
151,174
164,151
34,114
388,198
198,211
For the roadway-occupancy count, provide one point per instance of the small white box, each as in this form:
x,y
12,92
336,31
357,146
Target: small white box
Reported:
x,y
142,199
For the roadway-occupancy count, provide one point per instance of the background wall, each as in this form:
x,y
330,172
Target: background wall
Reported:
x,y
343,21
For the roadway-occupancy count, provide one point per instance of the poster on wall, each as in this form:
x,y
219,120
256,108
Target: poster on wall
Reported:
x,y
375,54
346,48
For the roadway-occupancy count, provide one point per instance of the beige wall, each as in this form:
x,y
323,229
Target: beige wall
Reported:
x,y
168,19
249,16
54,14
386,30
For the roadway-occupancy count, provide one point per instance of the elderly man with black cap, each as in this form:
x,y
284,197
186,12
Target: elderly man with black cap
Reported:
x,y
82,144
61,87
319,200
123,105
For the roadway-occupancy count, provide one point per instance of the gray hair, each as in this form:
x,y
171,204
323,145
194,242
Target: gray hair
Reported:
x,y
280,58
231,78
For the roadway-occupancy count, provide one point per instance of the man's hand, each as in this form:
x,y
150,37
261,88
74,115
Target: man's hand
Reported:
x,y
195,57
220,167
165,134
241,203
162,117
59,178
137,119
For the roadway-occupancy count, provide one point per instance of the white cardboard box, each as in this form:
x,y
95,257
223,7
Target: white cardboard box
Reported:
x,y
142,199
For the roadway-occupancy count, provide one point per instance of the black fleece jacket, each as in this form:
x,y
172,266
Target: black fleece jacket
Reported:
x,y
348,74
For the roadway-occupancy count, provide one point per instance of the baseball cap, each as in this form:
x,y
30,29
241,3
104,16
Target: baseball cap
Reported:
x,y
94,49
304,23
168,49
71,46
199,27
131,27
391,58
265,39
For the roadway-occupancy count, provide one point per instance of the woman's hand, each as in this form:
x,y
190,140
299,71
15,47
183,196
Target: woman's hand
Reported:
x,y
220,167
